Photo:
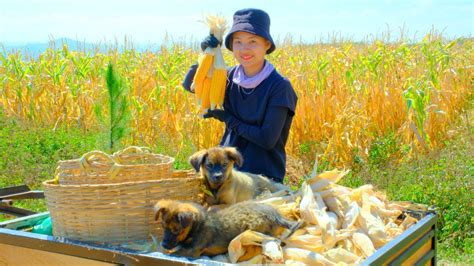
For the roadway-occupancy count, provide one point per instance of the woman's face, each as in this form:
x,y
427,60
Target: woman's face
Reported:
x,y
250,50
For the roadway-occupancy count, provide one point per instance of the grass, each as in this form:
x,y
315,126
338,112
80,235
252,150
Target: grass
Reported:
x,y
443,178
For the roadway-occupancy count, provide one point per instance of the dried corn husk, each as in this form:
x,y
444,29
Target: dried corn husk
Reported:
x,y
363,243
305,256
334,204
338,255
251,243
373,227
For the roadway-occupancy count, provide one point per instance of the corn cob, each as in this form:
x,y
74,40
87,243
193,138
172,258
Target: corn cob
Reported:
x,y
205,97
218,82
202,70
211,76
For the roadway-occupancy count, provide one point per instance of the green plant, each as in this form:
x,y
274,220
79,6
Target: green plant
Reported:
x,y
118,107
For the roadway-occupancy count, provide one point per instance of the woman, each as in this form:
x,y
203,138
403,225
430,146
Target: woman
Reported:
x,y
259,104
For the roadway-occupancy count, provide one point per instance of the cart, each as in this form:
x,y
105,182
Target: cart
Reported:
x,y
18,246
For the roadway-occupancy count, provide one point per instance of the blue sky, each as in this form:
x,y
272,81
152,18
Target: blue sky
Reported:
x,y
147,21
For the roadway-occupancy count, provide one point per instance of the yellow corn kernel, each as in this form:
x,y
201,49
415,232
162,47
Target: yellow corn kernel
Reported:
x,y
218,82
197,90
203,68
222,95
205,97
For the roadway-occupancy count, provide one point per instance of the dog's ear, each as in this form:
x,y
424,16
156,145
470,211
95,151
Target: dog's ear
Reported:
x,y
160,208
186,218
234,155
197,159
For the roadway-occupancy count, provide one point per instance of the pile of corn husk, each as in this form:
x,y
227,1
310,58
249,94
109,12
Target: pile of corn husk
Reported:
x,y
342,225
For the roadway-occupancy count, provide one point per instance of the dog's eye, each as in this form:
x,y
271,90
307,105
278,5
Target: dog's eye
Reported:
x,y
210,165
224,165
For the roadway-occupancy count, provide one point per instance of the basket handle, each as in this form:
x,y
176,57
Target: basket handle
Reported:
x,y
143,152
87,157
114,169
133,149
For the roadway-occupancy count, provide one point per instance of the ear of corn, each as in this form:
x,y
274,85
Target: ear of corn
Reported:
x,y
217,91
211,76
203,69
205,97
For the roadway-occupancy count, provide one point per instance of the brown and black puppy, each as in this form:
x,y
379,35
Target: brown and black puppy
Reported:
x,y
191,231
228,185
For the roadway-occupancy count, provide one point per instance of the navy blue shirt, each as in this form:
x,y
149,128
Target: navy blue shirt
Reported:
x,y
260,124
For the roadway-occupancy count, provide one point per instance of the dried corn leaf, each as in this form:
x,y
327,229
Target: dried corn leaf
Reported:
x,y
272,252
306,241
289,210
356,194
398,205
363,243
373,227
340,235
332,176
319,201
407,222
351,215
334,220
308,205
275,201
336,191
305,256
348,245
393,229
294,263
258,259
334,204
338,255
320,185
246,244
389,215
313,230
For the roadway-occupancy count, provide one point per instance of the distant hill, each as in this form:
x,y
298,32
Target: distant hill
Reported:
x,y
35,49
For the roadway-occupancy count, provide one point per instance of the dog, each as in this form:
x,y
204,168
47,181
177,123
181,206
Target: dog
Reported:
x,y
191,231
226,184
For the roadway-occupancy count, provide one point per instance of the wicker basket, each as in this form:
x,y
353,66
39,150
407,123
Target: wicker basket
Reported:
x,y
131,164
110,198
112,213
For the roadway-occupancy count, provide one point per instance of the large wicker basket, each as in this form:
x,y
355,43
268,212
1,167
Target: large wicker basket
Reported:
x,y
119,211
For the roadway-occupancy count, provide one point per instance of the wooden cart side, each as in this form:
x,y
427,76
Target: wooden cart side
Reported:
x,y
415,246
10,238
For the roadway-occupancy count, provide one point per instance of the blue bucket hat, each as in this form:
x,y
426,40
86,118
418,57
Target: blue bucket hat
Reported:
x,y
253,21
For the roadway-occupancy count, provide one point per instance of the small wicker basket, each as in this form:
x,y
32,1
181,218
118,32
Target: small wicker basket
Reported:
x,y
83,207
130,164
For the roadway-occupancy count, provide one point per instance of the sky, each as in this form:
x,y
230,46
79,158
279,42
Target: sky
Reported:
x,y
148,21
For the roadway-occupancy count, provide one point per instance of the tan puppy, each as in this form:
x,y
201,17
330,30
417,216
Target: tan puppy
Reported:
x,y
227,185
191,231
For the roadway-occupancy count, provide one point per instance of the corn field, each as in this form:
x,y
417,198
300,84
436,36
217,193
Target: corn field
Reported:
x,y
350,94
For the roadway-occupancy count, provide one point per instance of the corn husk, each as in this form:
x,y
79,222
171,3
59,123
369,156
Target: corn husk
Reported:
x,y
255,243
305,256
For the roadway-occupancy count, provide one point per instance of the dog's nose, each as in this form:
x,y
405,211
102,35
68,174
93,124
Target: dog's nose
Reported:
x,y
218,176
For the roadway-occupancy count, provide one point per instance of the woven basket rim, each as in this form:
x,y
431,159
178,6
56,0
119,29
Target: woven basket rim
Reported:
x,y
50,183
168,160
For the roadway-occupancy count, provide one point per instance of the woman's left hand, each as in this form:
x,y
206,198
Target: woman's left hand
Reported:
x,y
219,114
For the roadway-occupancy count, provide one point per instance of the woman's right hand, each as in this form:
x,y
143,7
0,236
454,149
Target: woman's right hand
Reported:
x,y
209,41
